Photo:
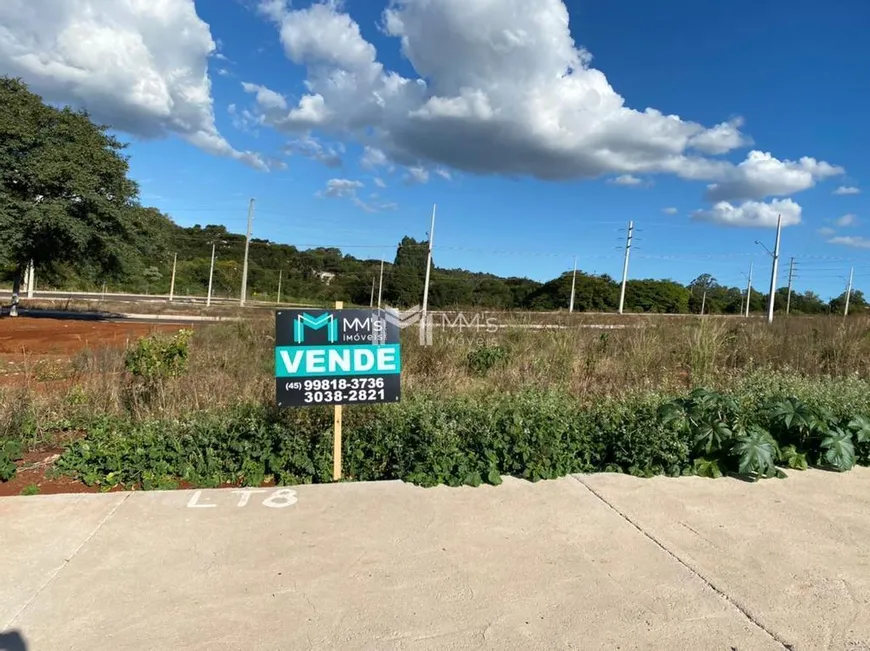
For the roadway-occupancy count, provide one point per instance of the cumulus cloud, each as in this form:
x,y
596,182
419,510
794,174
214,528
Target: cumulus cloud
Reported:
x,y
373,157
348,189
378,181
499,88
855,241
417,175
826,231
847,189
266,97
761,175
141,67
670,211
627,179
341,188
848,219
310,147
444,174
751,214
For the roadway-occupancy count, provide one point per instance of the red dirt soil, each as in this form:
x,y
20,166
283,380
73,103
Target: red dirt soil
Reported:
x,y
33,339
22,336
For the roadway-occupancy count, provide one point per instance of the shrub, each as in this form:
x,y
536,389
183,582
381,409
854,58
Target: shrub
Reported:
x,y
483,359
158,356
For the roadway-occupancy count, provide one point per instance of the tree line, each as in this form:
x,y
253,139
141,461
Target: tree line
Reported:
x,y
67,204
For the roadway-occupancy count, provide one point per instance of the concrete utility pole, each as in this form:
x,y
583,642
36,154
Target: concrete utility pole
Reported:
x,y
703,301
573,285
774,270
280,277
849,291
423,313
31,279
790,278
381,284
172,282
210,276
372,297
625,265
749,290
245,263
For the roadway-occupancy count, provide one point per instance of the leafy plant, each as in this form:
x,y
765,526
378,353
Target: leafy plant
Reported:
x,y
483,359
10,452
159,356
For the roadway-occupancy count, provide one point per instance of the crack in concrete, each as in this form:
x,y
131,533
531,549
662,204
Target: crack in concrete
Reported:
x,y
721,593
66,562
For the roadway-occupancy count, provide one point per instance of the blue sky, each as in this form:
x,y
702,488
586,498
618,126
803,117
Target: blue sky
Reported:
x,y
784,78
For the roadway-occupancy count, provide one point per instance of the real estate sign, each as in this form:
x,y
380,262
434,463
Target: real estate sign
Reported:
x,y
336,357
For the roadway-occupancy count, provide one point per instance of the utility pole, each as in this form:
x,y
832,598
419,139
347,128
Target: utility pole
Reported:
x,y
210,276
280,277
625,265
573,284
703,301
749,290
372,297
245,263
381,284
790,278
849,292
774,270
423,313
172,282
31,280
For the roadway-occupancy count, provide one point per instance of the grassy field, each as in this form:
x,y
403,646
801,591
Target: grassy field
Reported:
x,y
604,374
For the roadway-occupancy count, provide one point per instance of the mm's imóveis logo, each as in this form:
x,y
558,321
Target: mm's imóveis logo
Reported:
x,y
327,320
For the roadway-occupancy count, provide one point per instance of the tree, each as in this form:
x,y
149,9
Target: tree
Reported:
x,y
857,303
64,191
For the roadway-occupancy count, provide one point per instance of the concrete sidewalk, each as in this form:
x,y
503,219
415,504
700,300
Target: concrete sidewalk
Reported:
x,y
585,562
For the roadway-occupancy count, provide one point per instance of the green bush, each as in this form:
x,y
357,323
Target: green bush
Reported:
x,y
158,356
483,359
10,452
477,438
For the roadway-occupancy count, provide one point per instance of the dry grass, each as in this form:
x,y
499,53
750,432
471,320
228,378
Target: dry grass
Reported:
x,y
233,363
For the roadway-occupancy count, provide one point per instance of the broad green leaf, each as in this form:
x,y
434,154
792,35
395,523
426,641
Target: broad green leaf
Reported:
x,y
860,427
707,468
756,452
794,459
711,437
839,451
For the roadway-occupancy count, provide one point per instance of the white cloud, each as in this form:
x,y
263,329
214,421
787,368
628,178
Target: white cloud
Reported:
x,y
139,66
341,188
670,211
847,189
722,138
417,175
444,174
761,175
855,241
506,91
751,214
223,72
347,189
266,98
627,179
373,157
310,147
826,231
378,181
848,219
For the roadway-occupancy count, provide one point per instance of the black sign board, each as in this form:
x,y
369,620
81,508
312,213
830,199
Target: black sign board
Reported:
x,y
336,357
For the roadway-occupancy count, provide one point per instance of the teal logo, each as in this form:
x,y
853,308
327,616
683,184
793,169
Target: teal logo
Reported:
x,y
315,323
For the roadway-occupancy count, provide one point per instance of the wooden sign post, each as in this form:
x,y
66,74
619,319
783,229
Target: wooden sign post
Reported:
x,y
336,357
336,424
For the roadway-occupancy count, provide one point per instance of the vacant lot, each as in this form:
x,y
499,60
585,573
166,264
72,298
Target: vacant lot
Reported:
x,y
482,401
